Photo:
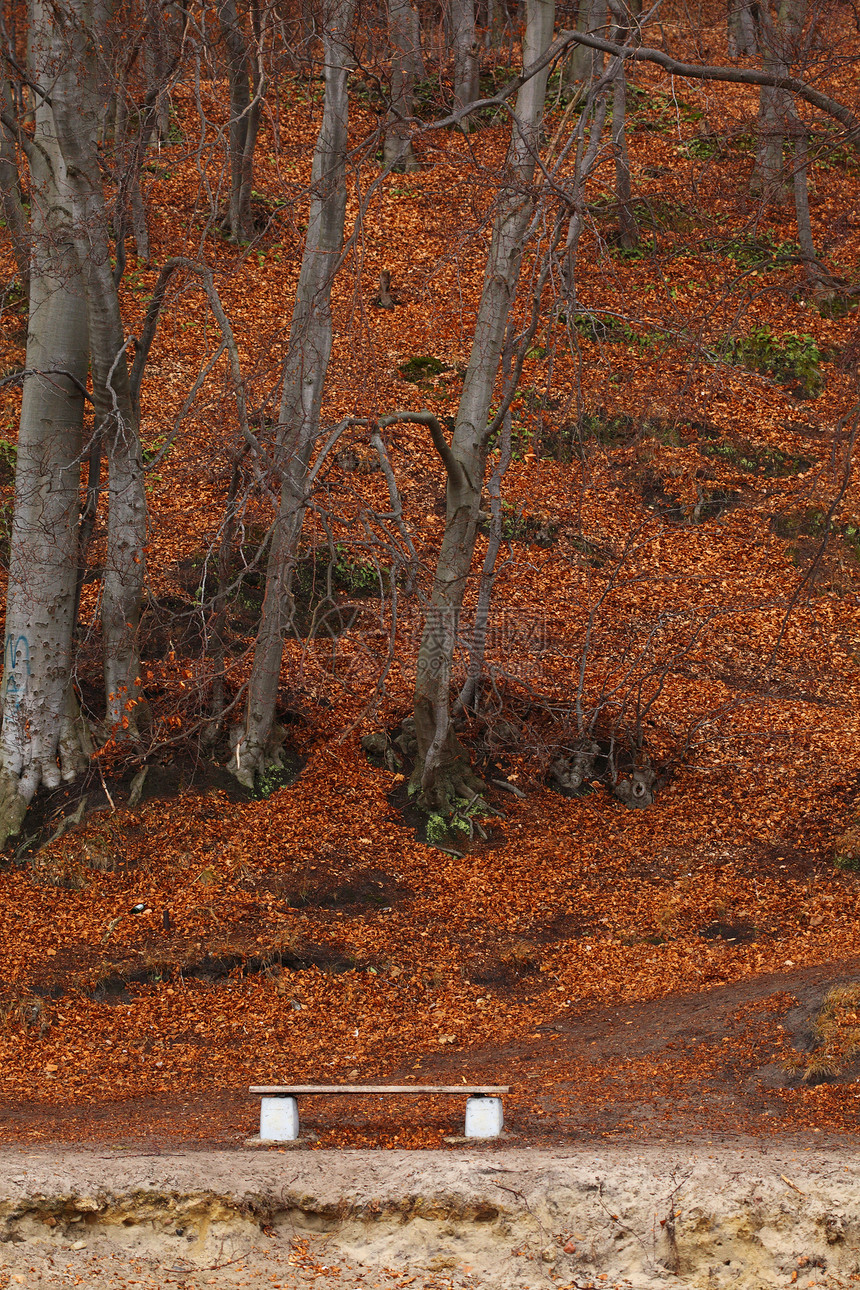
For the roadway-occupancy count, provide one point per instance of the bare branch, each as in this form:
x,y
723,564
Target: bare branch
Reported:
x,y
452,466
46,371
30,146
19,70
151,322
705,72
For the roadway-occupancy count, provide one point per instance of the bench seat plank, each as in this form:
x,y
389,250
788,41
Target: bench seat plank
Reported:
x,y
296,1090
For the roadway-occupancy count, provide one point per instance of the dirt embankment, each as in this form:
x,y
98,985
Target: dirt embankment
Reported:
x,y
712,1216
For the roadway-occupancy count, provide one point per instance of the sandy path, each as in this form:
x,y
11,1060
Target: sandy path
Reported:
x,y
712,1216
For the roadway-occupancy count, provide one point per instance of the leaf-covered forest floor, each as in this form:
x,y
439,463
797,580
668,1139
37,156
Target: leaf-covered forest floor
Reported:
x,y
635,975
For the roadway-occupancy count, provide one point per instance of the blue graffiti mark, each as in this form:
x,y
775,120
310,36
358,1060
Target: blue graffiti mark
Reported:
x,y
16,664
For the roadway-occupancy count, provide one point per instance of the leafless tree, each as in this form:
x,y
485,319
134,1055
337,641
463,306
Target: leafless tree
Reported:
x,y
301,399
247,87
407,66
43,739
441,768
464,45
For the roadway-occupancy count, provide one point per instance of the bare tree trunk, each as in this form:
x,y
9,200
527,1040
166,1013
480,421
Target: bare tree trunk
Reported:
x,y
304,378
245,104
116,419
478,644
815,274
495,18
406,64
464,44
584,65
149,119
584,164
742,27
155,63
219,608
768,177
629,232
41,742
441,769
780,39
128,153
10,186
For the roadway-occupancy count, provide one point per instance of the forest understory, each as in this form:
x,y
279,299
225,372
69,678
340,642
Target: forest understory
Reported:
x,y
680,560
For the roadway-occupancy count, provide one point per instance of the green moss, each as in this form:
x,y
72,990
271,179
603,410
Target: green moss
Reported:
x,y
811,523
422,367
437,829
761,252
793,358
658,112
704,147
614,331
756,459
356,577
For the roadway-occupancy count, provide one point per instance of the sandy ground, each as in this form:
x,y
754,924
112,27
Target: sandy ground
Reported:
x,y
748,1215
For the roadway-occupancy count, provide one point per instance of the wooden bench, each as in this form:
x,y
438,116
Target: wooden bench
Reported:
x,y
279,1112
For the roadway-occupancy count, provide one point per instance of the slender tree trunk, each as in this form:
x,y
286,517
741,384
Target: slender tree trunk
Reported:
x,y
815,274
41,740
219,609
304,378
464,44
779,38
245,106
629,232
11,201
768,179
584,65
155,64
406,64
478,644
584,164
441,770
496,17
742,28
128,155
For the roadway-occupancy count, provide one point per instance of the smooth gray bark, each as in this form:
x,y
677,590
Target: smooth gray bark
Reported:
x,y
584,65
116,424
812,265
128,151
441,770
464,44
404,34
245,105
156,63
743,28
478,643
768,177
629,233
304,378
779,38
42,740
585,161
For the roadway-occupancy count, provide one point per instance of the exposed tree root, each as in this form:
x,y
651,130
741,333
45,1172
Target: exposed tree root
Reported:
x,y
13,806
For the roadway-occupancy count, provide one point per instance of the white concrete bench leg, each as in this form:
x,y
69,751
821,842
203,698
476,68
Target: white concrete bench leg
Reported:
x,y
484,1118
279,1119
